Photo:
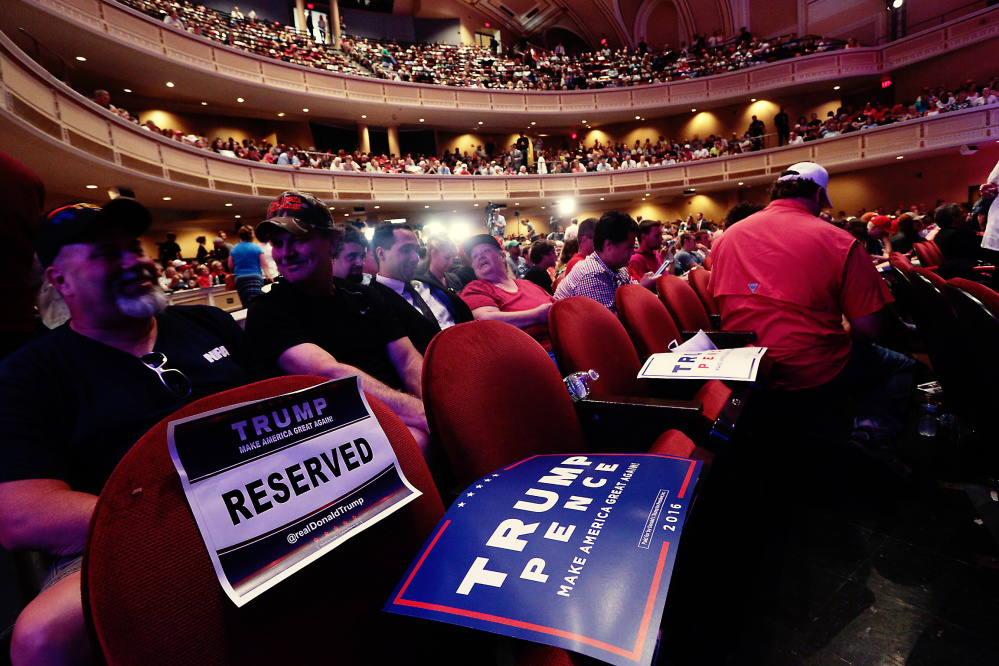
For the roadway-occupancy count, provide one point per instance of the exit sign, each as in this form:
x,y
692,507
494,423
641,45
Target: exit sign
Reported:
x,y
886,83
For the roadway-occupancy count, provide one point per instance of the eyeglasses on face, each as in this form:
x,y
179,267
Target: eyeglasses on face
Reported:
x,y
175,380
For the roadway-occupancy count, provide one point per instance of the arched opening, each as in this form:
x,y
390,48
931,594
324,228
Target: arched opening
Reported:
x,y
573,43
660,26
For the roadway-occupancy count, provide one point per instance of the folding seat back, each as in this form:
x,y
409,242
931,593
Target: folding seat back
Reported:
x,y
683,304
900,262
471,372
151,594
648,322
929,255
977,310
699,283
472,369
586,335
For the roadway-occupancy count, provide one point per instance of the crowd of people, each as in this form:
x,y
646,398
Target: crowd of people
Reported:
x,y
76,399
532,156
349,307
522,68
249,33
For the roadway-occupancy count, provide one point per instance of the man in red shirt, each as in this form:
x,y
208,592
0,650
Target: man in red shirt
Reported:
x,y
585,238
645,260
793,278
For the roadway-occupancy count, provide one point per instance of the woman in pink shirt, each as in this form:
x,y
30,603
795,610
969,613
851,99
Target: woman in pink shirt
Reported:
x,y
495,294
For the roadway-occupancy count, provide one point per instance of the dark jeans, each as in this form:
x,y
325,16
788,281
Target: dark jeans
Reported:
x,y
880,380
249,287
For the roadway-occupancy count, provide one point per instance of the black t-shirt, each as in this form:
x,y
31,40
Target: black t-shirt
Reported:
x,y
169,251
540,277
71,407
353,324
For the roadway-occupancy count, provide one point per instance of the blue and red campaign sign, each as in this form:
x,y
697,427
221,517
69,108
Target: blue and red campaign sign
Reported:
x,y
571,551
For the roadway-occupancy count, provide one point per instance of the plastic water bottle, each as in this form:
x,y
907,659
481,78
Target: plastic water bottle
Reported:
x,y
928,419
580,384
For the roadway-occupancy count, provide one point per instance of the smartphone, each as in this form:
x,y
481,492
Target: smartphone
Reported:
x,y
662,268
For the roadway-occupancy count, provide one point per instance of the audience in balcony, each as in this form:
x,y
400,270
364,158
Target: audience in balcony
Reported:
x,y
581,158
478,66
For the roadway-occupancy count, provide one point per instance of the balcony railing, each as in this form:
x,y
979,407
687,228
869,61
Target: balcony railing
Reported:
x,y
37,102
128,26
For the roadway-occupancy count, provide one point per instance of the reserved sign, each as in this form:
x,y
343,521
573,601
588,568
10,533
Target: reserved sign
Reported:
x,y
276,484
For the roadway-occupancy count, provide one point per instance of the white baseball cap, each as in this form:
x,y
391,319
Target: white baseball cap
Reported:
x,y
809,171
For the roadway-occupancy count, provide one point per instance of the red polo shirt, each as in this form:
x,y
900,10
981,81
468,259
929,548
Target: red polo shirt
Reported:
x,y
792,277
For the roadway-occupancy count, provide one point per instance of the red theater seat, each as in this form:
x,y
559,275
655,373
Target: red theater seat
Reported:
x,y
901,262
683,304
493,396
648,322
699,283
151,594
585,335
929,255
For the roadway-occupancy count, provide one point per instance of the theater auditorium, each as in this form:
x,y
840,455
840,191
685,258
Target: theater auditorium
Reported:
x,y
490,223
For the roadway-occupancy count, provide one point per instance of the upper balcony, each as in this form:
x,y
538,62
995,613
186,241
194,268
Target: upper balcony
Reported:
x,y
128,47
75,143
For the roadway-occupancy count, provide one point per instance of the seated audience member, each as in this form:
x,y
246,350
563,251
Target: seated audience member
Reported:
x,y
436,267
348,258
738,213
645,261
565,256
543,257
909,226
690,254
74,401
518,265
422,309
495,294
961,247
585,237
312,323
858,229
204,277
249,265
600,274
795,295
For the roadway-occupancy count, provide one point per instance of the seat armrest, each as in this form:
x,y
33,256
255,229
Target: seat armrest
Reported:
x,y
725,339
619,424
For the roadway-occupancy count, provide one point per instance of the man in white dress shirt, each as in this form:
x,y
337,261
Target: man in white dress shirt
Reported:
x,y
423,309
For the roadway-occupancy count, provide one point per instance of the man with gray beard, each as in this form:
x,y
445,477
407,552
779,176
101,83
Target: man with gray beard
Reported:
x,y
74,401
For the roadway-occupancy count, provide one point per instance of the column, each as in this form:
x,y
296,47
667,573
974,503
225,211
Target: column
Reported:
x,y
802,18
363,138
393,138
300,15
335,22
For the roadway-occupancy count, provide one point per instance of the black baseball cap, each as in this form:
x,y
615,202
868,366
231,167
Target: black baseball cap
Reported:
x,y
67,224
473,241
297,213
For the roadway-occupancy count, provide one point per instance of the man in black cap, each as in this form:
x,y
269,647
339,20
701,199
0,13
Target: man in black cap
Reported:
x,y
74,401
313,323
